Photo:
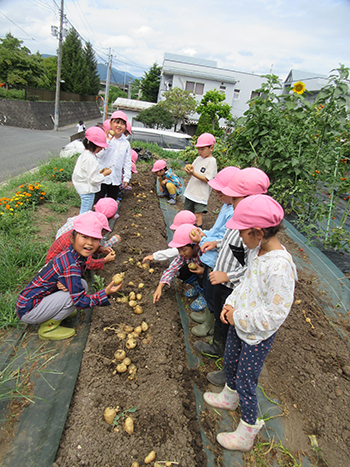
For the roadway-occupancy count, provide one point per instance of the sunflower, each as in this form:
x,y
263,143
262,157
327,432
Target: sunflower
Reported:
x,y
299,87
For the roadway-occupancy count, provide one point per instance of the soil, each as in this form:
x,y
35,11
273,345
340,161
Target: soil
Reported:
x,y
307,369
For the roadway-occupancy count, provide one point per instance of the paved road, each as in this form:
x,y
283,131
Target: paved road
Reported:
x,y
22,150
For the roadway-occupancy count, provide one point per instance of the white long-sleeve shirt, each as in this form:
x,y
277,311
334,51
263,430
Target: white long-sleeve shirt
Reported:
x,y
163,255
117,157
86,176
264,297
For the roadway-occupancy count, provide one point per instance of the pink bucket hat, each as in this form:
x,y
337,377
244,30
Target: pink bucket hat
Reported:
x,y
88,224
108,207
257,211
158,165
119,114
223,178
181,236
206,139
183,217
103,219
247,182
97,136
134,156
128,127
106,125
133,168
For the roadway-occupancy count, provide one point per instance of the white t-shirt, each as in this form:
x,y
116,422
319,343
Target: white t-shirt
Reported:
x,y
196,190
86,176
117,157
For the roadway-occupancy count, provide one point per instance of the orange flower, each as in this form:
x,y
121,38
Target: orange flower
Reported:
x,y
61,170
36,187
41,197
43,193
8,206
53,175
55,168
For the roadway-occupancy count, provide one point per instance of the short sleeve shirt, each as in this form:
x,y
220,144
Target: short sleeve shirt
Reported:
x,y
196,190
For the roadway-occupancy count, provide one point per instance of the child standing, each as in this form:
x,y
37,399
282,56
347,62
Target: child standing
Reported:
x,y
255,310
117,158
87,175
202,170
58,288
169,182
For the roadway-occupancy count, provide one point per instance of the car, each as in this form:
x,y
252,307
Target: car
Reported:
x,y
164,139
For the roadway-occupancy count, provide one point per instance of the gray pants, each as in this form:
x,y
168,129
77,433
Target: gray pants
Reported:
x,y
57,306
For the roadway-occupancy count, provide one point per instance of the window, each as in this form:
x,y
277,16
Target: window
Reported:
x,y
222,88
195,88
236,93
254,94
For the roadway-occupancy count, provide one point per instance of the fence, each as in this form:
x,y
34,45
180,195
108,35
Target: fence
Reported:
x,y
35,94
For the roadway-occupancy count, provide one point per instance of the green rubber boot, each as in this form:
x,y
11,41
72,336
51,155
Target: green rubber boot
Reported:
x,y
51,330
207,328
73,314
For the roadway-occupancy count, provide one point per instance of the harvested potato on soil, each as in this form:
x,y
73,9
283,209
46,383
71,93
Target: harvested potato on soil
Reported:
x,y
129,425
141,285
192,266
144,326
121,335
139,296
132,296
131,284
130,344
151,270
118,278
135,464
150,458
109,415
132,303
145,266
138,310
138,329
121,368
132,369
127,361
128,328
119,355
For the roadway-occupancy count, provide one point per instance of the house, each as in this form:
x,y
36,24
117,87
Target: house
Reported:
x,y
314,83
201,75
131,107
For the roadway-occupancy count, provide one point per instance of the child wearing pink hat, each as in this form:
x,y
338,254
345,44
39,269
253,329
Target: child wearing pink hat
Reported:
x,y
117,158
255,310
188,252
169,183
134,157
202,170
87,175
58,288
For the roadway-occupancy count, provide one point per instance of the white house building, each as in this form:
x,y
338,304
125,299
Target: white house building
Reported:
x,y
200,76
314,82
131,107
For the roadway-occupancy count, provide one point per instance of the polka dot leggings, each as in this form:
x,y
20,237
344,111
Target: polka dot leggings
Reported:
x,y
243,365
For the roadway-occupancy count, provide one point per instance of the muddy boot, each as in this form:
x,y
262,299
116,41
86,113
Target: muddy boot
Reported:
x,y
227,399
243,438
51,330
216,349
198,317
207,328
218,378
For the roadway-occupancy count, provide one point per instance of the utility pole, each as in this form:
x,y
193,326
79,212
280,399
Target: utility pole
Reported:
x,y
105,105
129,88
59,63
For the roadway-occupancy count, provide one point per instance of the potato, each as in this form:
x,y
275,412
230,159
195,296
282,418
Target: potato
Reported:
x,y
127,361
150,458
139,296
135,464
145,266
132,296
131,284
128,329
130,344
129,425
121,368
132,369
118,278
132,303
192,266
109,415
124,299
141,285
111,132
189,166
119,355
151,270
121,335
131,335
138,329
138,310
144,326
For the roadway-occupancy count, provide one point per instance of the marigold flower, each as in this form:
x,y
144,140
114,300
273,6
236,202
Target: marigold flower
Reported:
x,y
55,168
8,206
53,175
299,87
41,197
43,193
36,187
61,170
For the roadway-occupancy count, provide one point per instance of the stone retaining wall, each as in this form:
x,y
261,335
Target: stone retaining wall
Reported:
x,y
40,115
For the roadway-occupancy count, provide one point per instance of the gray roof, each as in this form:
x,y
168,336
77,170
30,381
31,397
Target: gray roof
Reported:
x,y
131,104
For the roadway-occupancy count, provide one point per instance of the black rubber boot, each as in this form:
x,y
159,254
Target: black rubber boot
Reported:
x,y
217,378
216,349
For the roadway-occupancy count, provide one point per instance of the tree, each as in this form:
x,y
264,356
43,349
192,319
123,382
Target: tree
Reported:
x,y
48,79
73,64
114,93
135,88
179,103
92,79
156,117
150,84
213,107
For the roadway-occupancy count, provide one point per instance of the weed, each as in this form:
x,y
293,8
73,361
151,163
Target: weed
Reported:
x,y
99,283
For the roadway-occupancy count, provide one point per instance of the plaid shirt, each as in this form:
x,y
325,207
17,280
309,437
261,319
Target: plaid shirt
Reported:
x,y
62,243
67,268
175,266
68,227
174,179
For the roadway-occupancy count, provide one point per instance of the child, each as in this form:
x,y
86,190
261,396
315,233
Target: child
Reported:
x,y
230,262
188,252
80,126
169,182
58,288
63,242
203,169
255,310
87,175
134,157
128,131
117,158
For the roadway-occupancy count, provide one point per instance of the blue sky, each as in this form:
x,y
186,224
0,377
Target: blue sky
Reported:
x,y
255,36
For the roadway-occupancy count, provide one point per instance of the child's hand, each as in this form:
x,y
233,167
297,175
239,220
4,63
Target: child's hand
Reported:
x,y
103,250
227,315
199,270
112,288
106,172
207,246
218,277
148,258
110,257
196,235
116,237
60,286
189,169
158,293
164,182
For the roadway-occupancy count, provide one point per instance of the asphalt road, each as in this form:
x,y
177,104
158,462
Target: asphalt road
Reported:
x,y
22,149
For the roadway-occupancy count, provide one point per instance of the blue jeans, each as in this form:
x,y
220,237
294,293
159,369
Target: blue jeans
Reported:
x,y
87,201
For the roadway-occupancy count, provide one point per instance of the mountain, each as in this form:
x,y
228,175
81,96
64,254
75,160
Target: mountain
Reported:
x,y
117,76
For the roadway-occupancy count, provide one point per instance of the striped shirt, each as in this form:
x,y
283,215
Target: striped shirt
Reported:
x,y
226,261
175,266
67,268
